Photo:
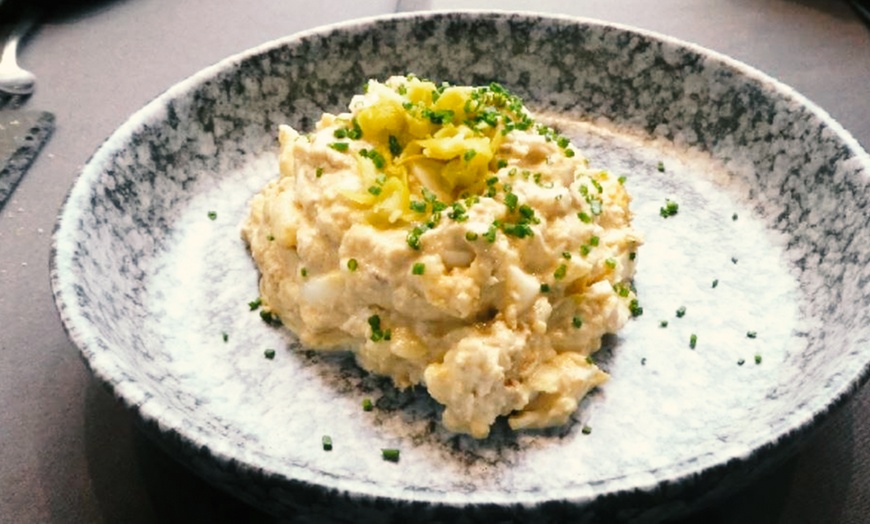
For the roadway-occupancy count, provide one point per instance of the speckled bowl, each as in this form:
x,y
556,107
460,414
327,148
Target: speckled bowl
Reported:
x,y
769,254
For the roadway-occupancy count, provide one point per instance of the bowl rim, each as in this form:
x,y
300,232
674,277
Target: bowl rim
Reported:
x,y
105,366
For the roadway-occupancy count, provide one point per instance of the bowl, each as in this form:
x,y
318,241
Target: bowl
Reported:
x,y
767,259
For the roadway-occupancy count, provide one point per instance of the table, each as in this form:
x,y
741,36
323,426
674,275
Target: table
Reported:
x,y
69,453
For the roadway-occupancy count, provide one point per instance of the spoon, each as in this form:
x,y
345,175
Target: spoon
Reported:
x,y
13,79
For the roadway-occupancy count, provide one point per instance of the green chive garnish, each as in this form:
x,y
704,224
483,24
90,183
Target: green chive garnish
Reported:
x,y
419,268
326,440
670,209
352,264
269,353
390,454
212,215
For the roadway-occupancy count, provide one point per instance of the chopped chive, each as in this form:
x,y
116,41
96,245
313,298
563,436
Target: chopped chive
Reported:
x,y
352,264
270,318
419,268
670,208
340,133
254,304
751,334
367,404
269,353
339,146
390,454
758,359
643,361
303,272
734,216
741,362
560,272
577,322
318,172
586,219
621,180
681,311
490,234
212,215
511,200
663,323
733,260
270,237
471,153
632,255
395,147
413,239
569,152
417,206
584,250
545,288
715,283
586,430
566,255
471,236
661,167
326,441
693,340
594,241
611,263
225,336
375,190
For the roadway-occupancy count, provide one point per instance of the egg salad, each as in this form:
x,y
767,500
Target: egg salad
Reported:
x,y
449,240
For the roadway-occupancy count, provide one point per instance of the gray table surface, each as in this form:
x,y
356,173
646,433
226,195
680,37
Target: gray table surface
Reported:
x,y
69,453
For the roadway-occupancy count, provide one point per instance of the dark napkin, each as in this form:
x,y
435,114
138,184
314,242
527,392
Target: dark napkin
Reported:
x,y
22,135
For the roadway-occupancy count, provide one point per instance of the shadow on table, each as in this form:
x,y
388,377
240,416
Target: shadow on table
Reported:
x,y
134,481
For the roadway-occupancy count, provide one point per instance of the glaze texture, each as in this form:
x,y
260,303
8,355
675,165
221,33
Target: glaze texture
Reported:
x,y
153,287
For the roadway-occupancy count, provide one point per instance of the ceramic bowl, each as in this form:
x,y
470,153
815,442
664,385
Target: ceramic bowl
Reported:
x,y
769,255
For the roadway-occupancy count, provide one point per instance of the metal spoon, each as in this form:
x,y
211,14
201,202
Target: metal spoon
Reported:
x,y
13,79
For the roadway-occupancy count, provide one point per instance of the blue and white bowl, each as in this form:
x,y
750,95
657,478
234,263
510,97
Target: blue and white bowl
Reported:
x,y
769,254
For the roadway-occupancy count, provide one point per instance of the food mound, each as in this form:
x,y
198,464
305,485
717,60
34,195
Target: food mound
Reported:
x,y
449,240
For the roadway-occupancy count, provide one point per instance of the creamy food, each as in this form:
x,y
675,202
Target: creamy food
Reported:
x,y
449,240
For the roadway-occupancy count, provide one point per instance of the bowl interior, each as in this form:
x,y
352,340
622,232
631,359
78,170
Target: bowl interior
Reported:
x,y
772,194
